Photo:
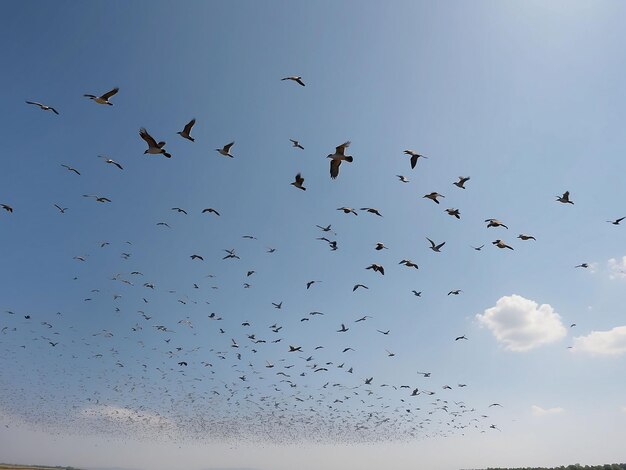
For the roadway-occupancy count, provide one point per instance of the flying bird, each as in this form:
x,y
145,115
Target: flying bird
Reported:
x,y
564,198
433,196
616,221
44,107
296,144
185,133
377,268
433,246
526,237
347,210
338,157
500,244
298,182
371,211
296,79
210,210
495,223
454,213
61,209
226,150
69,168
6,207
461,182
112,162
414,157
104,99
356,286
403,179
154,148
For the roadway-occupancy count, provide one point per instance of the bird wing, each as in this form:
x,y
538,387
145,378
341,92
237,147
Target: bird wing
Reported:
x,y
108,94
340,149
431,242
228,146
189,125
413,161
334,168
148,138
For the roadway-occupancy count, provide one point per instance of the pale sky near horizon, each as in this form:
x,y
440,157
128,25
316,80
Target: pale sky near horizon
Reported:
x,y
525,98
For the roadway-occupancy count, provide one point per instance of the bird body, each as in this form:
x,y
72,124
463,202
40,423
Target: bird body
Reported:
x,y
564,198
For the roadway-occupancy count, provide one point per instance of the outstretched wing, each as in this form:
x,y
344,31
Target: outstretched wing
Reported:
x,y
143,133
188,127
108,94
334,168
340,149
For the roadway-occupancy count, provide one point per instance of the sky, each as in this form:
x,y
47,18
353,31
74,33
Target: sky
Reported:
x,y
121,351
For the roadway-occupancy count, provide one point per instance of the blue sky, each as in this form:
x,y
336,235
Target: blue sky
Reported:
x,y
526,98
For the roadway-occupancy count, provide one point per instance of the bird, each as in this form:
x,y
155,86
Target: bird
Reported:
x,y
380,246
459,337
154,148
310,283
343,329
377,268
112,162
408,263
582,265
178,209
278,305
356,286
414,157
495,223
461,182
338,157
433,246
403,179
371,211
210,210
226,150
44,107
197,257
347,210
294,78
325,229
185,133
295,348
7,208
433,196
455,292
97,198
298,182
478,248
564,198
384,332
104,99
61,209
69,168
417,294
454,213
296,144
526,237
616,221
500,244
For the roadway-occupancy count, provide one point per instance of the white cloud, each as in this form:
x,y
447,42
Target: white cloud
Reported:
x,y
603,343
623,408
521,324
539,411
617,268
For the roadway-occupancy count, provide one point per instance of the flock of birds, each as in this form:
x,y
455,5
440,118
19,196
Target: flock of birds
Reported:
x,y
149,378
